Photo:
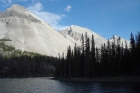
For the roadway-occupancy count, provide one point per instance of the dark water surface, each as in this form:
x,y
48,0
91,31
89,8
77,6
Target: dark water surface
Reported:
x,y
46,85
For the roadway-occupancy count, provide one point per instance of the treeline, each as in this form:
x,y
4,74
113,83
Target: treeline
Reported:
x,y
15,63
112,59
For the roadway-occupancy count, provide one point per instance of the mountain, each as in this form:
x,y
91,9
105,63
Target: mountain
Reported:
x,y
74,33
27,32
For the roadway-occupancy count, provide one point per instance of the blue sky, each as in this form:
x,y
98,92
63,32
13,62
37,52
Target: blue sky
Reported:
x,y
105,17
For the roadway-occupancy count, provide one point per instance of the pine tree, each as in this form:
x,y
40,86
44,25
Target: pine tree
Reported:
x,y
62,65
68,64
87,55
75,64
133,54
82,57
103,60
113,57
72,64
98,60
118,56
93,64
126,60
109,57
121,60
137,56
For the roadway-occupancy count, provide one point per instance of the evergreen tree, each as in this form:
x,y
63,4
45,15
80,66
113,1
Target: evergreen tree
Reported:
x,y
93,64
109,57
133,54
76,64
62,66
103,67
137,55
97,62
118,56
68,64
87,55
121,60
113,58
82,57
126,61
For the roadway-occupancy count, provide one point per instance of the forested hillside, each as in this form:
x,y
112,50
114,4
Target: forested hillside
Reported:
x,y
16,63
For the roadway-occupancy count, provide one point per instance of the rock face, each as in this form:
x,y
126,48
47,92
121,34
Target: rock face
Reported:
x,y
28,32
74,33
122,41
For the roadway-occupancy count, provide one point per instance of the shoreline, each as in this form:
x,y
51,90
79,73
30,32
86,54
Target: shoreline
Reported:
x,y
104,79
25,76
96,79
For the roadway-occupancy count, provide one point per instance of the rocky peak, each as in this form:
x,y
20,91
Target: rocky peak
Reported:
x,y
16,7
122,40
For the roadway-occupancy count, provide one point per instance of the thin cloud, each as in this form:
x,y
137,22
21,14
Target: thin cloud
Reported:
x,y
51,18
68,8
37,7
3,1
9,2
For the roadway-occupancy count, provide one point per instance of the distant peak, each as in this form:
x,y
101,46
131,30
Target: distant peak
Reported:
x,y
72,26
115,37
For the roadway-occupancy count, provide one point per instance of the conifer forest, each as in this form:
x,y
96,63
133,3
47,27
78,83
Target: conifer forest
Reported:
x,y
112,59
85,61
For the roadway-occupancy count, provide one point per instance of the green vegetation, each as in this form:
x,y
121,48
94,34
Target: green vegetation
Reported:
x,y
5,39
6,47
17,63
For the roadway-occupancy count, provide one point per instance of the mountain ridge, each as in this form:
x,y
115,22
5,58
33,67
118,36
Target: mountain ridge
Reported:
x,y
28,32
76,32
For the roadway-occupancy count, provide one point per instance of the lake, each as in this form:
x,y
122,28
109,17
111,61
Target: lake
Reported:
x,y
47,85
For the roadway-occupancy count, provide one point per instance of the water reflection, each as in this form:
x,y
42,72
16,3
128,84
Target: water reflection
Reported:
x,y
46,85
99,87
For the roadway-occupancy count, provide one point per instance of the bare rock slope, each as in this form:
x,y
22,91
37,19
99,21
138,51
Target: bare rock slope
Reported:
x,y
74,33
30,33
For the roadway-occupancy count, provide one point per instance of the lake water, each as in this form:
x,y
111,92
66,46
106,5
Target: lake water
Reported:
x,y
46,85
